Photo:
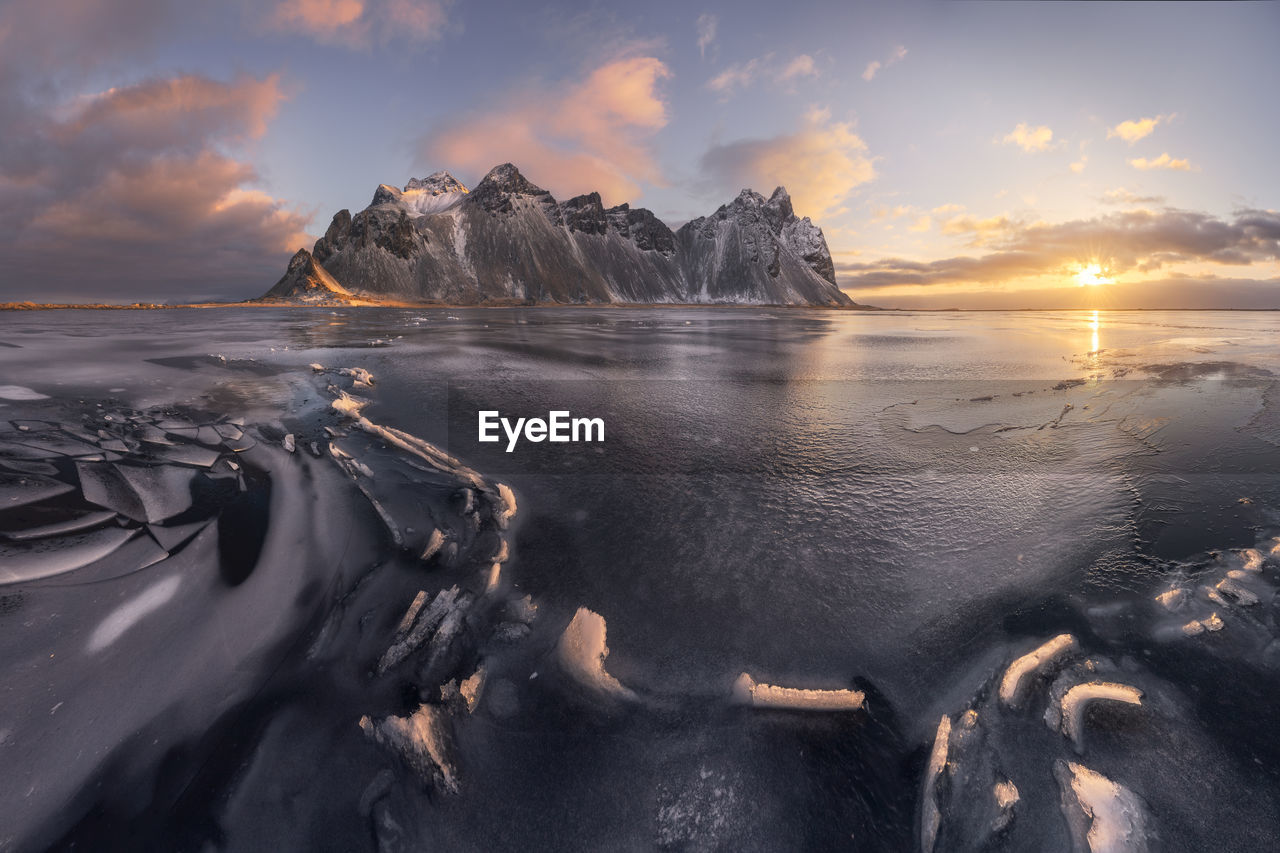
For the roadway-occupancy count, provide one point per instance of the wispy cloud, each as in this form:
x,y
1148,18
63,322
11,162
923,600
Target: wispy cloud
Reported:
x,y
742,75
802,66
1038,138
820,164
571,138
1131,131
1164,161
876,66
361,23
705,27
1120,195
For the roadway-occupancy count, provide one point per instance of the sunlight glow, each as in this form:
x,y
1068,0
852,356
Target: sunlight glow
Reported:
x,y
1091,275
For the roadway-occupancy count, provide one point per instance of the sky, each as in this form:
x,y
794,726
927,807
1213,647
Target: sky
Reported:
x,y
956,154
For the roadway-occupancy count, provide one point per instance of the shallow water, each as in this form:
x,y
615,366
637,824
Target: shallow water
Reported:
x,y
901,503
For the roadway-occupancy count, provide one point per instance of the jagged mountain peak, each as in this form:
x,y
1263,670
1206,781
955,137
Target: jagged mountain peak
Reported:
x,y
385,194
437,183
507,178
781,199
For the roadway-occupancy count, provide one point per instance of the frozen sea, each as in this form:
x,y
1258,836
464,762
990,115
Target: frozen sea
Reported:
x,y
1040,547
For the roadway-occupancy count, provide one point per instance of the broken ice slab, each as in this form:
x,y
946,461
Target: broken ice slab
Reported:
x,y
178,426
423,740
59,444
446,602
229,431
139,552
151,435
16,450
1075,703
163,490
1103,816
750,692
42,558
241,444
582,651
930,814
406,621
170,538
28,466
103,485
21,489
1036,662
187,454
209,435
71,525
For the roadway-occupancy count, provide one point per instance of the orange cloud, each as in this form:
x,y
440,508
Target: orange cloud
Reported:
x,y
1132,131
134,191
1039,138
876,66
166,110
360,23
594,136
1164,161
820,164
983,230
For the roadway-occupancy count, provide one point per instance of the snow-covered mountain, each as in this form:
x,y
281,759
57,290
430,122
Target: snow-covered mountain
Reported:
x,y
509,240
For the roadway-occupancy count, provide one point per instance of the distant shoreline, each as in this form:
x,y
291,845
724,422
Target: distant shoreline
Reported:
x,y
155,306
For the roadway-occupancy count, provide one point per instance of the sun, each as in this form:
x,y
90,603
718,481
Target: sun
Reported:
x,y
1091,275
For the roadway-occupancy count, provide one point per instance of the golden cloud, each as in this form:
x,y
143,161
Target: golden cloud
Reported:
x,y
820,164
590,136
1131,131
1038,138
1164,161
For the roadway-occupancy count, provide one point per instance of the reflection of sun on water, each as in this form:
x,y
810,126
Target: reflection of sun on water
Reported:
x,y
1093,324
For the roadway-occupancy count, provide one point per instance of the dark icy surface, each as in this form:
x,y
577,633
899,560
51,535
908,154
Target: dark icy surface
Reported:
x,y
245,605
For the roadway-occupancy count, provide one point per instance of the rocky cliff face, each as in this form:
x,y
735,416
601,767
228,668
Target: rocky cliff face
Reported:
x,y
510,240
306,281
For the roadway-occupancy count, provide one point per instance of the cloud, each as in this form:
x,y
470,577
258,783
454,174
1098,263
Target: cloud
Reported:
x,y
360,23
575,138
981,230
1125,196
1174,292
876,66
922,223
820,164
742,75
1125,242
1078,165
705,27
801,66
1038,138
1164,161
132,193
58,37
1132,131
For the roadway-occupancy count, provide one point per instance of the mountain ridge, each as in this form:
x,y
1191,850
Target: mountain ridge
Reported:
x,y
509,240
